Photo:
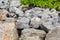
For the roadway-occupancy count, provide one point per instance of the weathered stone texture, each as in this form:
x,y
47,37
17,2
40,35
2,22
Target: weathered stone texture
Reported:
x,y
53,34
8,31
32,34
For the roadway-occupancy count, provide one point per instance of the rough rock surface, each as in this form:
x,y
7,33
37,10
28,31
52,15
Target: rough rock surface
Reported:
x,y
14,3
23,23
8,31
3,14
27,18
4,4
35,22
53,34
32,34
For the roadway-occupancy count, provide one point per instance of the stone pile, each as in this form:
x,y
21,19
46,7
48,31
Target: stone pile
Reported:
x,y
32,23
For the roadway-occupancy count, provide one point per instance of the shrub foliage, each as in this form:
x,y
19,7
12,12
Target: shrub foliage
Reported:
x,y
42,3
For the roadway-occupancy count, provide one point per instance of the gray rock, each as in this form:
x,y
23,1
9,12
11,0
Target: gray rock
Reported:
x,y
53,11
4,4
32,34
35,22
16,10
34,12
23,23
14,3
53,34
30,13
47,21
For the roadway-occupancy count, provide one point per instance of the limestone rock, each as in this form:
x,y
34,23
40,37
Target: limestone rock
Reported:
x,y
53,34
8,31
32,34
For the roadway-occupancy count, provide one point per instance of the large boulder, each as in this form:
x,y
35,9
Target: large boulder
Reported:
x,y
53,34
8,31
32,34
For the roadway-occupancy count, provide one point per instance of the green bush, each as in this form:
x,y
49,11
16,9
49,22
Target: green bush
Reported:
x,y
42,3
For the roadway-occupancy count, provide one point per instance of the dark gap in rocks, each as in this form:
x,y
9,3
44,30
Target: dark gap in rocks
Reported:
x,y
59,14
40,16
52,23
7,15
18,6
17,15
2,1
8,9
31,6
30,27
3,20
19,32
44,37
26,8
50,16
1,8
42,27
29,22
